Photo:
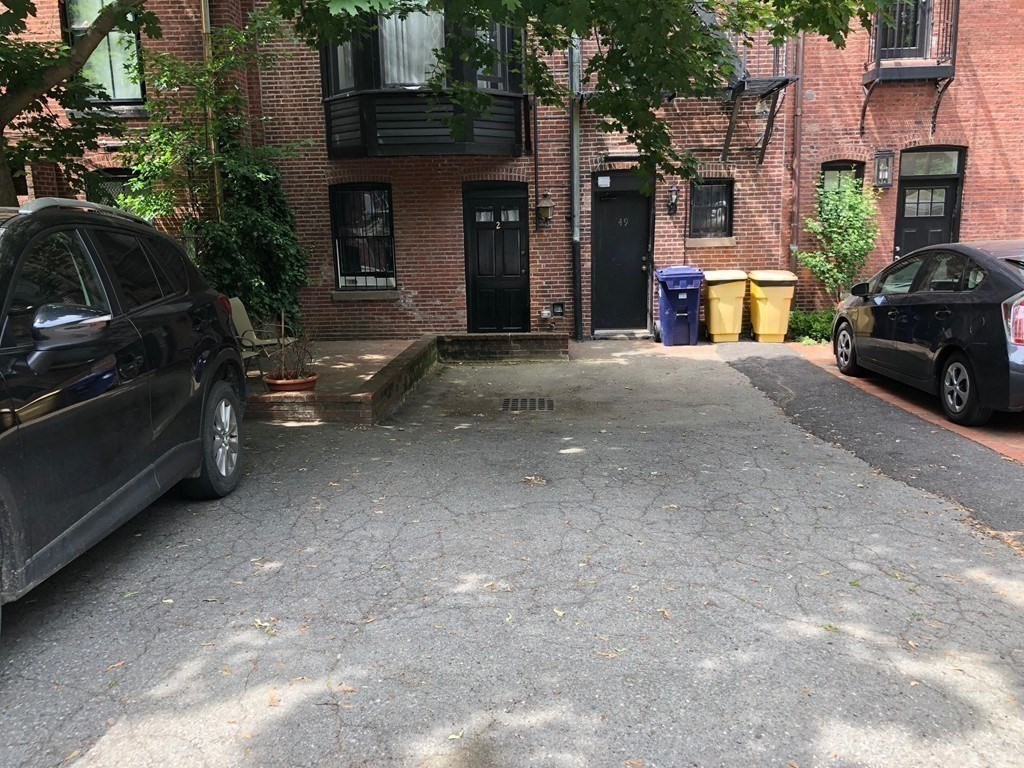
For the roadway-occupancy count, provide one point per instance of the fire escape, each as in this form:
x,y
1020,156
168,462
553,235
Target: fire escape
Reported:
x,y
913,41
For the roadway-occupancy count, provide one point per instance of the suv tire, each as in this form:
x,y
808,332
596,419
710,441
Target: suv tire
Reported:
x,y
221,468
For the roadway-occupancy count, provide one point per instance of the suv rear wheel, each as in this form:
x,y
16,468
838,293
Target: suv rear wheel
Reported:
x,y
222,446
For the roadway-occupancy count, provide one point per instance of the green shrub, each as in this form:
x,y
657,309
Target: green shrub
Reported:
x,y
253,252
815,325
846,229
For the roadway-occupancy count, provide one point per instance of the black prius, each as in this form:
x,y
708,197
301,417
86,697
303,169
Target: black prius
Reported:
x,y
948,319
120,377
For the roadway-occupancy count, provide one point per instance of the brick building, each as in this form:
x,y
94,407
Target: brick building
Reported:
x,y
414,229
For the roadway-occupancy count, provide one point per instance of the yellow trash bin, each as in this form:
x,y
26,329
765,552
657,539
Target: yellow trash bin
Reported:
x,y
771,293
723,303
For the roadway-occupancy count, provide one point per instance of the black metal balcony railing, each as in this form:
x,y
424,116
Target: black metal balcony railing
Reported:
x,y
913,40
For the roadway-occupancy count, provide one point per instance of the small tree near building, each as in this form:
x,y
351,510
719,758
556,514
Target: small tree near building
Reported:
x,y
846,228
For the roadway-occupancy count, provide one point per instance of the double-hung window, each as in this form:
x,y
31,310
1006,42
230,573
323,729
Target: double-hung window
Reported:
x,y
114,63
364,236
407,48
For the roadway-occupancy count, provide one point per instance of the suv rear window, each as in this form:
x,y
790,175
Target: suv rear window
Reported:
x,y
170,260
128,259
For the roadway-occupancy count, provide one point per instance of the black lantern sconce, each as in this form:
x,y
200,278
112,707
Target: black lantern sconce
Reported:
x,y
545,210
883,168
673,199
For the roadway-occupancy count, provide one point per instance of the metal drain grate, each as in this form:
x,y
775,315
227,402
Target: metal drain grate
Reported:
x,y
520,404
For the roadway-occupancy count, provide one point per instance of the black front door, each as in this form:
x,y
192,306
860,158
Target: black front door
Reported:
x,y
925,215
621,234
497,259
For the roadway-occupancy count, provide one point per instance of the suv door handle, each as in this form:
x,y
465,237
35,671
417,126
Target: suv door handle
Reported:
x,y
942,314
892,313
131,367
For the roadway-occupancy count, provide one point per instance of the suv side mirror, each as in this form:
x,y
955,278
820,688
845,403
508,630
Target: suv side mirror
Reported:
x,y
64,326
861,289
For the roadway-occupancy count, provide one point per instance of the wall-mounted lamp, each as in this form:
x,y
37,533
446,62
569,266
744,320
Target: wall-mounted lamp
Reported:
x,y
883,168
545,209
673,199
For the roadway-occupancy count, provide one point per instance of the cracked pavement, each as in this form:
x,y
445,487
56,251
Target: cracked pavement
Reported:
x,y
667,570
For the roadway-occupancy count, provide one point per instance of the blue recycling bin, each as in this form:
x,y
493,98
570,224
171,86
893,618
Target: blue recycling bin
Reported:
x,y
679,304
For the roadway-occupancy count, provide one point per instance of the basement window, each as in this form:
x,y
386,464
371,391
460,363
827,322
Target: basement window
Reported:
x,y
711,205
364,237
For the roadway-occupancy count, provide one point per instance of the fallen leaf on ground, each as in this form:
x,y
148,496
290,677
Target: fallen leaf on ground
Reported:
x,y
664,614
114,666
456,736
272,699
559,613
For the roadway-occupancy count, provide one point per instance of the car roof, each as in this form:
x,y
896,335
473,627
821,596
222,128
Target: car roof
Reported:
x,y
48,208
997,249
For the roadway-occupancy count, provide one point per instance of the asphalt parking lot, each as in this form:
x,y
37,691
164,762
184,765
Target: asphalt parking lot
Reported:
x,y
704,558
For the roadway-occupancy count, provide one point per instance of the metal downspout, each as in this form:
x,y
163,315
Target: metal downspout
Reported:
x,y
794,234
574,174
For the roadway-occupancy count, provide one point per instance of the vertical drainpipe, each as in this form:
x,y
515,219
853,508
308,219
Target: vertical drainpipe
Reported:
x,y
794,233
574,174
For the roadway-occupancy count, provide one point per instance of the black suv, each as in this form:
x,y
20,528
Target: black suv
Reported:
x,y
120,377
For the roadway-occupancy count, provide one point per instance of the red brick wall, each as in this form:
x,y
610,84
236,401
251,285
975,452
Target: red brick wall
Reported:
x,y
427,206
983,110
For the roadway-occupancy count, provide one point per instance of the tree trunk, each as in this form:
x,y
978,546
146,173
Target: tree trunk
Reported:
x,y
8,196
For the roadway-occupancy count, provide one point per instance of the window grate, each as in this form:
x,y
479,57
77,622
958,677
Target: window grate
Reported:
x,y
521,404
711,208
364,238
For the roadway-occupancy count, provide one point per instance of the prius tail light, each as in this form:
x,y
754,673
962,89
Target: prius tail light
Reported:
x,y
1013,318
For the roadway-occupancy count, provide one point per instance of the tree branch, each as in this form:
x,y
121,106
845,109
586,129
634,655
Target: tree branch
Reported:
x,y
18,99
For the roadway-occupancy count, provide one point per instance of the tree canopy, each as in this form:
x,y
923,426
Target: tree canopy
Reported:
x,y
647,50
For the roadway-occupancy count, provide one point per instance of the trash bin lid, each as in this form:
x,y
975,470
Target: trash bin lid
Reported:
x,y
715,276
773,276
679,271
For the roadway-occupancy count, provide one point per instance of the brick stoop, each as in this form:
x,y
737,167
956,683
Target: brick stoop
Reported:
x,y
382,394
503,346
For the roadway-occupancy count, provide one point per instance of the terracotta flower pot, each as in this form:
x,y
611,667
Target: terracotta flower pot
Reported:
x,y
275,384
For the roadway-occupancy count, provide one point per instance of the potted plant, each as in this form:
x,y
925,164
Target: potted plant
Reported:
x,y
291,368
